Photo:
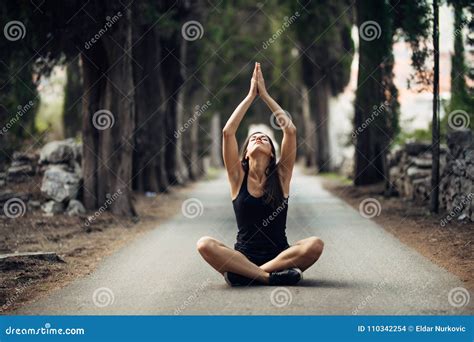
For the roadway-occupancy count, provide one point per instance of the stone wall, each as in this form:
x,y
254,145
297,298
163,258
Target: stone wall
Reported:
x,y
59,165
457,180
410,173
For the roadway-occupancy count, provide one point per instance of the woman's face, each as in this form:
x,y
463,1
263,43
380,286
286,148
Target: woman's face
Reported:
x,y
258,143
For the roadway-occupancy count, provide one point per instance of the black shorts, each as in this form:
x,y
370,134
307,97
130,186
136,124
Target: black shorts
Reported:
x,y
261,257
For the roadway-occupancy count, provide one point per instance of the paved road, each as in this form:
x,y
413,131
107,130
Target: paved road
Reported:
x,y
363,270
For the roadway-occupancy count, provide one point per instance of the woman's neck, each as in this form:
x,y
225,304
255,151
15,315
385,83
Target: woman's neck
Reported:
x,y
257,168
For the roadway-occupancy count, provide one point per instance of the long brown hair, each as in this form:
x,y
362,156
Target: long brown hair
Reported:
x,y
273,193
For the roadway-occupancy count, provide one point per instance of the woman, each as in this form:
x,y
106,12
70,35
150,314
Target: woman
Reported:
x,y
260,191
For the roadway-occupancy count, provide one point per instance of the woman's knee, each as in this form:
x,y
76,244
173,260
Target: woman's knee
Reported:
x,y
205,244
314,247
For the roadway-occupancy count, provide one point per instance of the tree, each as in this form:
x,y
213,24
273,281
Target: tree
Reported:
x,y
324,33
109,115
380,24
434,201
72,99
374,87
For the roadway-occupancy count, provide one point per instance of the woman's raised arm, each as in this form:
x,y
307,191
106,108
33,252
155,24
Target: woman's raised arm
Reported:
x,y
288,144
229,141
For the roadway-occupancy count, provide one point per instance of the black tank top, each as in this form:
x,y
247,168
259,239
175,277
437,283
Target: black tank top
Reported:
x,y
261,227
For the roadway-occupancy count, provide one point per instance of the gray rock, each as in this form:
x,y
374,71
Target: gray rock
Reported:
x,y
459,167
460,141
470,172
75,208
20,170
34,205
59,184
423,163
53,207
55,152
416,148
414,172
25,157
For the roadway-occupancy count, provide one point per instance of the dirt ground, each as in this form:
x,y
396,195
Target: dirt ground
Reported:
x,y
451,246
80,246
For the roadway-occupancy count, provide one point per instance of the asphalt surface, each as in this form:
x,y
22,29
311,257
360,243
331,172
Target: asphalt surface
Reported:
x,y
364,270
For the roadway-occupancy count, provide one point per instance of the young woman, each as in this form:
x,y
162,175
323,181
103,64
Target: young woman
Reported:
x,y
260,189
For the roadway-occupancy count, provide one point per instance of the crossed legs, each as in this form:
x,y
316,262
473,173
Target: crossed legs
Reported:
x,y
302,255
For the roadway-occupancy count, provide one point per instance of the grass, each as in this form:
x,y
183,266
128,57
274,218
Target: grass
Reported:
x,y
212,173
336,177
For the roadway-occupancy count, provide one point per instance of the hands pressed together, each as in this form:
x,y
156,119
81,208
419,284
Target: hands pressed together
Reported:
x,y
257,83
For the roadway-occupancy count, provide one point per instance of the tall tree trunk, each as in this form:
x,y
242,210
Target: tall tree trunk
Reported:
x,y
319,97
182,172
216,148
149,96
373,140
72,99
309,141
172,82
93,64
434,201
108,142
